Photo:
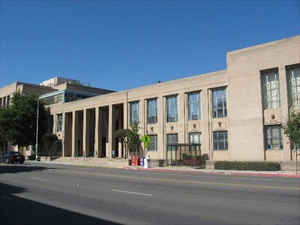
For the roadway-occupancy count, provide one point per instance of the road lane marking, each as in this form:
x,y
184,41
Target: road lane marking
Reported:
x,y
183,181
37,178
131,192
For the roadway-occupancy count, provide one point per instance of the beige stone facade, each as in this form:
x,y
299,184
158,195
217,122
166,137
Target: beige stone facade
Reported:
x,y
245,123
242,110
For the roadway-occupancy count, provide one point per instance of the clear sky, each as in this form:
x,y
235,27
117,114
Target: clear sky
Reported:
x,y
122,44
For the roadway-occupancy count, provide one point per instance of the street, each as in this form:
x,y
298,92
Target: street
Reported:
x,y
38,193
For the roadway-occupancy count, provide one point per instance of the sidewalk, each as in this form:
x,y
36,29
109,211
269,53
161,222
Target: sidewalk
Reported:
x,y
173,169
287,174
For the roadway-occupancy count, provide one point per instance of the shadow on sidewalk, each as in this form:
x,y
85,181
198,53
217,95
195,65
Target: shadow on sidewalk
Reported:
x,y
16,210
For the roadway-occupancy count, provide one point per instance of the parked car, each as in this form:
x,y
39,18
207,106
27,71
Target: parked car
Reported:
x,y
13,157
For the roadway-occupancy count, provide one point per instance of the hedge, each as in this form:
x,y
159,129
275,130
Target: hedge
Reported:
x,y
239,165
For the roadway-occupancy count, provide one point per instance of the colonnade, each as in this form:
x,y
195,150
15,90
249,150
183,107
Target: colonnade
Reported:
x,y
89,132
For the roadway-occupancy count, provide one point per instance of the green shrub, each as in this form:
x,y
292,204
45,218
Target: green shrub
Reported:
x,y
31,157
240,165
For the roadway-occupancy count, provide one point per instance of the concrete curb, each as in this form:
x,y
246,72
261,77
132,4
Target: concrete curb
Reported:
x,y
189,171
215,172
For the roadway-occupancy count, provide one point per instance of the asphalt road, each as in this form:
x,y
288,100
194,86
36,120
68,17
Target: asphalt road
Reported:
x,y
57,194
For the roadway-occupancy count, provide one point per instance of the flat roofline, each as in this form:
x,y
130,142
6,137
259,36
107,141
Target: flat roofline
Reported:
x,y
86,86
176,80
148,86
263,45
29,84
35,85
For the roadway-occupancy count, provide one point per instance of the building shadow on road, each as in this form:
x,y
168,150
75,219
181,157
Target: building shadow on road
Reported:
x,y
15,210
19,168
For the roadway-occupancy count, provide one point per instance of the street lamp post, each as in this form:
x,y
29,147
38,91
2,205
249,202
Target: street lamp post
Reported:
x,y
37,129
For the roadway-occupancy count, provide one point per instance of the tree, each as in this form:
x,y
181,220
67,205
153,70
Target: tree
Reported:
x,y
292,129
6,124
146,141
48,145
131,138
18,121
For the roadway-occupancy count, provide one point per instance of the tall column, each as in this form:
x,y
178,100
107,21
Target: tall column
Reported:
x,y
109,144
210,134
54,123
284,112
125,114
125,125
96,143
84,134
161,103
63,134
181,117
73,133
205,135
142,116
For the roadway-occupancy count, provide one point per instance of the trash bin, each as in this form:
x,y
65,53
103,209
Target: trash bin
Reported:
x,y
135,161
141,161
147,162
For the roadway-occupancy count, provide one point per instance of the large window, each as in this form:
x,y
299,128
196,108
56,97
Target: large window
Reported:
x,y
271,91
172,114
59,122
153,143
195,138
220,140
294,85
152,111
273,137
172,139
134,113
194,106
219,103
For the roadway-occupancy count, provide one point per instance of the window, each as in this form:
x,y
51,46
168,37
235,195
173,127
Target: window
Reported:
x,y
271,92
172,115
172,139
134,113
194,106
195,138
219,103
59,123
220,140
273,137
152,111
294,85
153,143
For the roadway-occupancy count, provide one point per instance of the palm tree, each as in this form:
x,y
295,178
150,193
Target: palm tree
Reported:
x,y
131,139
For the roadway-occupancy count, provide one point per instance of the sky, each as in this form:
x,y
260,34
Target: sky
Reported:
x,y
123,44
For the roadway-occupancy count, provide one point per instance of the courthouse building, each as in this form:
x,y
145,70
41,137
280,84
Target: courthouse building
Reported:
x,y
235,114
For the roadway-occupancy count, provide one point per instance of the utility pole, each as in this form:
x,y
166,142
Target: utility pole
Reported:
x,y
37,129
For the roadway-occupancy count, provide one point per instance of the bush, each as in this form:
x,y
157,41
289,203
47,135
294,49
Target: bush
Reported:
x,y
239,165
31,157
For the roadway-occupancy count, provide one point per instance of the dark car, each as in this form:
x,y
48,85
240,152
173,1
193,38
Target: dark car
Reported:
x,y
13,157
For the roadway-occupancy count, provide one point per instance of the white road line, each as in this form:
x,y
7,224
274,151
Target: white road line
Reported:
x,y
131,192
37,178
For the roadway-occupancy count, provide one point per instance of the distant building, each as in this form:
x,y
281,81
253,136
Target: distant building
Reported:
x,y
68,90
53,91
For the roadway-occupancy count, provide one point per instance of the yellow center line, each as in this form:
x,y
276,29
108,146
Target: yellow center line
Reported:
x,y
138,177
